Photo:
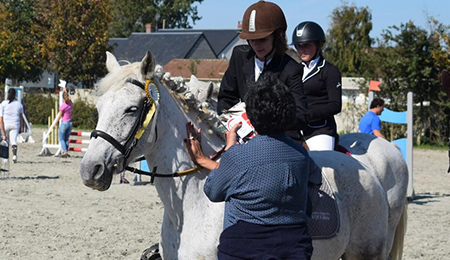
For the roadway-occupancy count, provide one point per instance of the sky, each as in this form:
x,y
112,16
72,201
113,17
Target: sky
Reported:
x,y
225,14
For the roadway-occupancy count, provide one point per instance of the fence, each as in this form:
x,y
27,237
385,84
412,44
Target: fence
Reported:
x,y
50,139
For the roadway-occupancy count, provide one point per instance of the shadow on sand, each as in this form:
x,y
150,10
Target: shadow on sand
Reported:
x,y
425,198
40,177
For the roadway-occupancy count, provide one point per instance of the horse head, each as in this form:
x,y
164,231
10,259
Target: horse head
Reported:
x,y
124,103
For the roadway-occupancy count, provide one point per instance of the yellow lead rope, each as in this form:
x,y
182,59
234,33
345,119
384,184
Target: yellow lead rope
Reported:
x,y
190,171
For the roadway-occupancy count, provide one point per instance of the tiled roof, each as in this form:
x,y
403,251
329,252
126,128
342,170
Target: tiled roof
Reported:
x,y
217,38
210,69
164,46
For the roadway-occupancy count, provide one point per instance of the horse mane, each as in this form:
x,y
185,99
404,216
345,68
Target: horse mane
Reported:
x,y
193,97
114,81
187,94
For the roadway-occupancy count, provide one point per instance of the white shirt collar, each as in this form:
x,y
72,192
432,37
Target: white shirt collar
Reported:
x,y
259,67
308,68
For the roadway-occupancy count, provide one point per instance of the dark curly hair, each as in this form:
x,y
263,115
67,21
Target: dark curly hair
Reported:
x,y
270,105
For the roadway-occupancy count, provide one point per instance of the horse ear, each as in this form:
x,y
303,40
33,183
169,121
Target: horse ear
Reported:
x,y
209,91
111,62
445,79
148,65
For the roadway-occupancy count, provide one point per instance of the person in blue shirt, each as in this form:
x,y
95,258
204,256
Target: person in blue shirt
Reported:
x,y
370,123
264,182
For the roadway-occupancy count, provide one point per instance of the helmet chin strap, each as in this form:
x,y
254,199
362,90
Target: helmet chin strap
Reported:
x,y
268,54
318,50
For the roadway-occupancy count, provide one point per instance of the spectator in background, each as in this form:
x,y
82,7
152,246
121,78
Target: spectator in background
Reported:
x,y
65,128
10,120
370,123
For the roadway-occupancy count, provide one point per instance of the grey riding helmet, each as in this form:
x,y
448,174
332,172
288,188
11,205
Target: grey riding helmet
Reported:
x,y
308,32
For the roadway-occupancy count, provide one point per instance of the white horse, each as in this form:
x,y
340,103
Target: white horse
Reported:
x,y
191,223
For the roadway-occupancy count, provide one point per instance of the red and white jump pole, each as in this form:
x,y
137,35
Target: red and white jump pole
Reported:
x,y
81,144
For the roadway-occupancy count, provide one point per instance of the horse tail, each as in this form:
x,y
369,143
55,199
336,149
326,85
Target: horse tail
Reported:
x,y
399,237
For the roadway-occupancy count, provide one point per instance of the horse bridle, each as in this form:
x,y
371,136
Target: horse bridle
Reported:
x,y
147,113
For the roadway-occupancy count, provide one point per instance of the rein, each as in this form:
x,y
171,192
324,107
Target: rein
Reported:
x,y
154,174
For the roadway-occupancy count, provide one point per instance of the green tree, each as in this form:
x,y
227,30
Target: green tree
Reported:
x,y
132,16
76,37
21,55
126,17
85,115
440,38
404,61
39,107
348,39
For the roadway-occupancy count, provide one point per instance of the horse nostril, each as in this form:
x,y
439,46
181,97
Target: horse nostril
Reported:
x,y
97,171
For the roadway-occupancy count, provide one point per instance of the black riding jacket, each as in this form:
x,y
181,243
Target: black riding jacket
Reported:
x,y
241,70
323,90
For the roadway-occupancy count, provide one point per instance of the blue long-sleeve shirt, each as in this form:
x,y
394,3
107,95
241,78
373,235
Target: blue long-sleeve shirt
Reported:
x,y
263,182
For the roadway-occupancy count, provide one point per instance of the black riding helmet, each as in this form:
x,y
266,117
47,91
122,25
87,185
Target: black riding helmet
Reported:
x,y
309,32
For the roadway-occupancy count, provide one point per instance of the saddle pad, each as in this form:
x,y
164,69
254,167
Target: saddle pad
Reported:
x,y
324,221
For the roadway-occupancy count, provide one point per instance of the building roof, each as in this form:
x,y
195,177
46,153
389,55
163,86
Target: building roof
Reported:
x,y
209,69
164,46
219,39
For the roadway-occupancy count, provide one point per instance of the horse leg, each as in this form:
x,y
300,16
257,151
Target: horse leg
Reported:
x,y
399,237
369,233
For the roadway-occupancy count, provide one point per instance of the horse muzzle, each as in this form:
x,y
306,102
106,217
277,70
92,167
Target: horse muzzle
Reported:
x,y
98,177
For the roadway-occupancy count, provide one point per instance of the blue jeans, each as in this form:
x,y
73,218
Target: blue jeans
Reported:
x,y
64,133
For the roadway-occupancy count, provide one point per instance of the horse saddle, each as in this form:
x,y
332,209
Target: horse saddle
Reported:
x,y
324,222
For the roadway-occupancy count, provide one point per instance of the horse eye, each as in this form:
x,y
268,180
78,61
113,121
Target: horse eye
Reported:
x,y
131,109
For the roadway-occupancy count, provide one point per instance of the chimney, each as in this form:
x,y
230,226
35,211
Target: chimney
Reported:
x,y
149,28
239,25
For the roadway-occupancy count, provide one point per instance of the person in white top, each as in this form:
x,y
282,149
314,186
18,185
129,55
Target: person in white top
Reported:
x,y
10,120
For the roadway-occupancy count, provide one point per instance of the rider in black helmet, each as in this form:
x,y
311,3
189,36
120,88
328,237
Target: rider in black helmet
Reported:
x,y
321,85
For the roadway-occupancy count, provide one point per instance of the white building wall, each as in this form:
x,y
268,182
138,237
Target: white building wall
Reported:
x,y
354,104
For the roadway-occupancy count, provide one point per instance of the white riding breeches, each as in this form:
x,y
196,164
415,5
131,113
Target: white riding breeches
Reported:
x,y
321,143
11,132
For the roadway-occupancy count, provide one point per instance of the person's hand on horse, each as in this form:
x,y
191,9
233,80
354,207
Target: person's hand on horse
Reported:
x,y
193,143
194,148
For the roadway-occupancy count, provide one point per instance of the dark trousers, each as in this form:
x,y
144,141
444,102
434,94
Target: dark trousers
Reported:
x,y
257,242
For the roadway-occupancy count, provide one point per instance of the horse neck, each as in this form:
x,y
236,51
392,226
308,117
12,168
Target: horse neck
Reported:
x,y
168,152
